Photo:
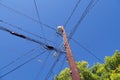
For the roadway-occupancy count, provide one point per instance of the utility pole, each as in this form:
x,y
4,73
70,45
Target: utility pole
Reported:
x,y
73,68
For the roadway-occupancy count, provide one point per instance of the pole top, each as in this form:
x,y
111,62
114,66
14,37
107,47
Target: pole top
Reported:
x,y
60,29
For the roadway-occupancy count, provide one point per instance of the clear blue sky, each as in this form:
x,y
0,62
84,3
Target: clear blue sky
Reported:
x,y
99,32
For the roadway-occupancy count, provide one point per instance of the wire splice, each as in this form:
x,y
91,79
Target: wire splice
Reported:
x,y
19,28
16,34
50,47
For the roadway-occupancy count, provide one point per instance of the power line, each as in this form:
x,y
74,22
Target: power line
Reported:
x,y
21,36
63,62
77,4
42,67
48,47
18,58
36,8
37,11
20,13
19,66
95,2
54,29
76,26
52,67
19,28
88,50
90,5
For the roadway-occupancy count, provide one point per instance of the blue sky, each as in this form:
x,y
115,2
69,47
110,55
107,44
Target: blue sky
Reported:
x,y
98,32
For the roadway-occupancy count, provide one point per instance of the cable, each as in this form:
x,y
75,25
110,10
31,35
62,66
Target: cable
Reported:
x,y
21,36
37,11
12,62
19,28
62,64
21,65
52,67
20,13
95,2
42,67
48,47
36,8
90,5
77,4
88,50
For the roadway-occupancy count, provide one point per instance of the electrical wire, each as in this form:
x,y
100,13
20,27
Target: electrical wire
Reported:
x,y
19,28
20,13
36,8
90,5
42,67
54,29
48,47
86,49
18,58
21,36
95,2
63,62
19,66
52,67
74,9
87,9
37,11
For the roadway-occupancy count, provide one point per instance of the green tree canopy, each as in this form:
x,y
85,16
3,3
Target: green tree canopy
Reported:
x,y
109,70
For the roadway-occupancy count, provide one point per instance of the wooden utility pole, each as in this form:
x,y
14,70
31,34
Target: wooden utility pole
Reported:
x,y
73,68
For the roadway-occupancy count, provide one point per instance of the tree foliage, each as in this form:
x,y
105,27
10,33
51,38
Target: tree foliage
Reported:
x,y
109,70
